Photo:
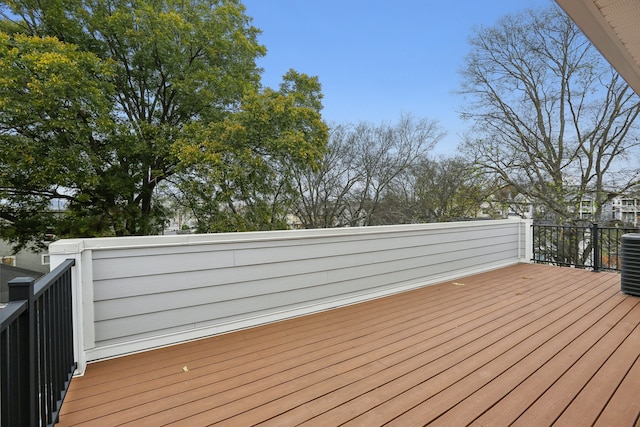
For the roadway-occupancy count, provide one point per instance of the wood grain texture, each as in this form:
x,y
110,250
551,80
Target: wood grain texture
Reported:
x,y
523,345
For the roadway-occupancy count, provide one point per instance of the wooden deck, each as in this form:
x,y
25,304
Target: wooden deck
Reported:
x,y
527,345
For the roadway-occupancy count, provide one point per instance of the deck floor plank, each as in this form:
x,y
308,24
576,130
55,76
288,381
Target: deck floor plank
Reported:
x,y
583,359
366,384
176,397
529,344
588,405
525,394
445,389
550,360
623,409
443,358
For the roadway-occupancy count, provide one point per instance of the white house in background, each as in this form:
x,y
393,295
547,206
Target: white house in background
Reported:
x,y
181,220
27,259
587,208
623,208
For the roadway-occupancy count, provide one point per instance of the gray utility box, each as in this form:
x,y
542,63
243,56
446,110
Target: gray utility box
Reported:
x,y
630,278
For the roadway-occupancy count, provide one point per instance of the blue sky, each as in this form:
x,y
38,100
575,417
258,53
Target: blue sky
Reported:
x,y
378,59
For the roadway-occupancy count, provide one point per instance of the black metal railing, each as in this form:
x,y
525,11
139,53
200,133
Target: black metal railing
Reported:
x,y
36,348
589,246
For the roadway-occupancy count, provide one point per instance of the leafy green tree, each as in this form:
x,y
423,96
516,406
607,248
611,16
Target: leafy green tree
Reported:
x,y
447,189
105,100
246,179
52,95
434,190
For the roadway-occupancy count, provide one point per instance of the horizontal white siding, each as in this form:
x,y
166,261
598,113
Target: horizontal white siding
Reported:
x,y
159,290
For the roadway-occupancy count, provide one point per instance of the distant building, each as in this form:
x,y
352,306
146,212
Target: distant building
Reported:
x,y
587,208
27,259
622,208
181,221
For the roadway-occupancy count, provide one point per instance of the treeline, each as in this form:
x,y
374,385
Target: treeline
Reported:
x,y
126,113
370,174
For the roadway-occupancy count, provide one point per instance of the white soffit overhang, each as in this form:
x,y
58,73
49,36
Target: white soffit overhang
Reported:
x,y
613,26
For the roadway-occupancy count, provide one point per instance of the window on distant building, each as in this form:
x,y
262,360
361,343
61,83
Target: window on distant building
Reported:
x,y
9,260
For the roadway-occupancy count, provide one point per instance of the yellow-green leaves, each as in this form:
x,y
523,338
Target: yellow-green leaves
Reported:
x,y
48,83
248,158
270,125
102,101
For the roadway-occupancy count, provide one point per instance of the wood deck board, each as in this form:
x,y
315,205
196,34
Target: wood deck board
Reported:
x,y
591,400
534,380
624,406
443,388
283,359
582,362
492,349
549,360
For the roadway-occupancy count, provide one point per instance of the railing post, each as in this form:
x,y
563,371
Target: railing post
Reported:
x,y
596,247
21,289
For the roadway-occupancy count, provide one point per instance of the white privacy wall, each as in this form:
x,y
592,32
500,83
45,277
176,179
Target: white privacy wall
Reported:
x,y
142,292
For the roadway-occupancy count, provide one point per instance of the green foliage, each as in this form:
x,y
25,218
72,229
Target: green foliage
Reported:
x,y
434,190
447,190
248,158
52,95
104,100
